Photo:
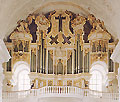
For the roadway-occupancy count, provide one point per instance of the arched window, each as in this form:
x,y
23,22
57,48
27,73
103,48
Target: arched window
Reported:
x,y
23,80
96,81
20,76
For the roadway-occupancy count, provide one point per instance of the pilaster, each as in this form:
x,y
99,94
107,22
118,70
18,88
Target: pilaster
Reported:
x,y
1,80
116,58
4,57
73,61
46,61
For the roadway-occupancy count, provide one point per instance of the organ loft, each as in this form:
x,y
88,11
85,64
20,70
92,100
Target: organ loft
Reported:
x,y
60,49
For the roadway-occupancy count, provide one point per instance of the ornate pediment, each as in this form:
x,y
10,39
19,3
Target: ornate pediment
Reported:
x,y
60,33
21,32
22,27
98,29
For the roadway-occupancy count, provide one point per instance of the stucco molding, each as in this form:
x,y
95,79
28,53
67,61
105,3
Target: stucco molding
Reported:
x,y
116,53
4,54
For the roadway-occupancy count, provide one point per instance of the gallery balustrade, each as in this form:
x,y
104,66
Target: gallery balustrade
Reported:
x,y
58,91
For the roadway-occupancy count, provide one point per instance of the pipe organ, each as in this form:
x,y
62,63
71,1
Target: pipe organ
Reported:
x,y
56,49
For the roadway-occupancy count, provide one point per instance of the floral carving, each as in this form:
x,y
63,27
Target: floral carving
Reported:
x,y
79,20
42,22
23,27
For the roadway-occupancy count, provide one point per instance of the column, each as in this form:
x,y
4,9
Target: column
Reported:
x,y
4,57
83,59
73,61
46,61
54,62
36,58
78,57
116,58
66,62
118,77
77,60
41,53
43,60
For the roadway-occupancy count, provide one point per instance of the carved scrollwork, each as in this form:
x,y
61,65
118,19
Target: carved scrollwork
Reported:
x,y
91,18
69,53
79,20
30,18
42,22
23,27
97,25
9,83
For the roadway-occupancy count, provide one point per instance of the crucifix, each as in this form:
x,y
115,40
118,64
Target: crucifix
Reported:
x,y
60,18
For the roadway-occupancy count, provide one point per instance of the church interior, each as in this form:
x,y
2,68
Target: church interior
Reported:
x,y
59,50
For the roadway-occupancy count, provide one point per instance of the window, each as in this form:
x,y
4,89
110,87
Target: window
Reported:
x,y
96,81
23,80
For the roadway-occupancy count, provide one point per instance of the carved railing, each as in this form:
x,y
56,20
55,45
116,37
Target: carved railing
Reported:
x,y
59,91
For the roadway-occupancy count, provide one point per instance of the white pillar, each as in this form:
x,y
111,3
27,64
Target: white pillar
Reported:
x,y
4,57
1,80
116,58
118,77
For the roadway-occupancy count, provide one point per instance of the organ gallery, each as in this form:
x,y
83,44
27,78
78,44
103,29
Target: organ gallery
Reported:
x,y
60,48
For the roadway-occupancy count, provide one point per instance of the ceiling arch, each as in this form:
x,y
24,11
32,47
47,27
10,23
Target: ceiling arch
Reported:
x,y
13,10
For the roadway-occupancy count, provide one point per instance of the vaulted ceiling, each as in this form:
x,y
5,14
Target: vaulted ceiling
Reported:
x,y
12,11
